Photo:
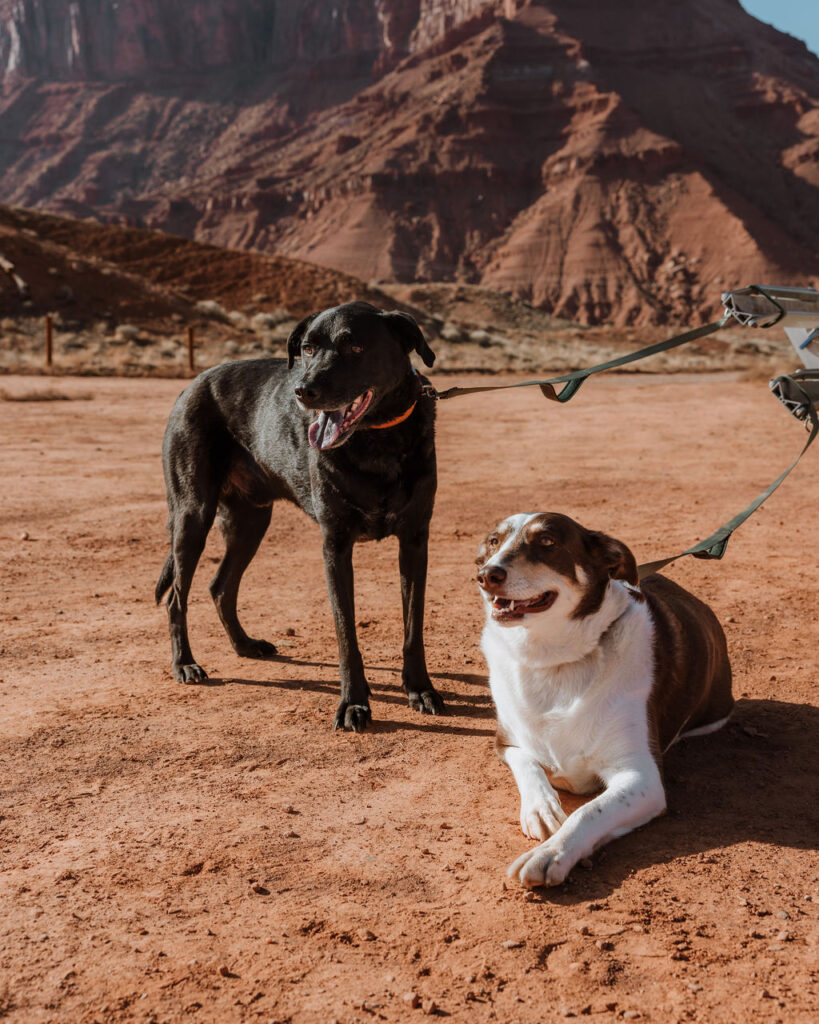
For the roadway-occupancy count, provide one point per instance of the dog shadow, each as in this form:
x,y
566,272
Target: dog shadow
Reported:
x,y
470,705
753,781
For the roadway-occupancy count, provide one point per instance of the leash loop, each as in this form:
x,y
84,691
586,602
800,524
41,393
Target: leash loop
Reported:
x,y
766,295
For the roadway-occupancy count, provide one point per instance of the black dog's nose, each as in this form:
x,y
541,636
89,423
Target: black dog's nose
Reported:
x,y
306,394
491,577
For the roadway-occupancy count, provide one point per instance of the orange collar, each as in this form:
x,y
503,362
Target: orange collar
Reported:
x,y
398,419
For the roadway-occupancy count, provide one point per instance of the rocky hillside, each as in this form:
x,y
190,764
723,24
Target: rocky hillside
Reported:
x,y
121,301
609,163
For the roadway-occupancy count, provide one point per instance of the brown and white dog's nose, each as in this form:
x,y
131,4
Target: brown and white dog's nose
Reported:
x,y
306,394
491,577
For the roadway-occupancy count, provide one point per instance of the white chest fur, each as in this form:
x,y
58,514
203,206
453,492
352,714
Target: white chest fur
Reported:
x,y
578,708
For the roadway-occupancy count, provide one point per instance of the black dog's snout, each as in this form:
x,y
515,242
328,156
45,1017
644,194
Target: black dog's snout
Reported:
x,y
306,394
491,577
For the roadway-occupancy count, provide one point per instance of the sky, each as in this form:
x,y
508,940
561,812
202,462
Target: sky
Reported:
x,y
798,18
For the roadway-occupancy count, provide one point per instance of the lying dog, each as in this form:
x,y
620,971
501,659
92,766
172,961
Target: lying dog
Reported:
x,y
347,438
593,680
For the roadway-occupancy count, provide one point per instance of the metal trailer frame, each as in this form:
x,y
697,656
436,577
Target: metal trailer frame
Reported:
x,y
796,310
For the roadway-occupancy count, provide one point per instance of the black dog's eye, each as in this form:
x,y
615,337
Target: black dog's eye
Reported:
x,y
356,348
307,350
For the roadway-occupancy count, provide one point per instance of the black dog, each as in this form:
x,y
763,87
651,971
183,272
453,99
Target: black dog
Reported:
x,y
362,465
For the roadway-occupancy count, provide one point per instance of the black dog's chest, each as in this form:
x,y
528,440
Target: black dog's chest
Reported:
x,y
379,527
372,506
373,513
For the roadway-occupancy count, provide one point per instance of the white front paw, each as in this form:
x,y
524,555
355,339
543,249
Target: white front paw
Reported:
x,y
547,864
540,817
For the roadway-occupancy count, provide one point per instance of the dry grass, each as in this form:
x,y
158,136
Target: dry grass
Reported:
x,y
43,395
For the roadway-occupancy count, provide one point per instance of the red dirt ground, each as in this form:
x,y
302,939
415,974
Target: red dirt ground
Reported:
x,y
216,854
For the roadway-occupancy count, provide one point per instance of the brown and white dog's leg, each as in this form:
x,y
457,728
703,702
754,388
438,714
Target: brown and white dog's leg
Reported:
x,y
540,810
633,795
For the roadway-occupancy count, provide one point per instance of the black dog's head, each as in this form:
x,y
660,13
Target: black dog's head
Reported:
x,y
351,357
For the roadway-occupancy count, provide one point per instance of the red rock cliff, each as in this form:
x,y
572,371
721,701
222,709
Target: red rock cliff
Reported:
x,y
610,162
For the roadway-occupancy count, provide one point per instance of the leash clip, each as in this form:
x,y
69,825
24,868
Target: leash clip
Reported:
x,y
428,390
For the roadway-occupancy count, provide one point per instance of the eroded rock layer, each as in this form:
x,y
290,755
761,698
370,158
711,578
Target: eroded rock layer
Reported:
x,y
617,163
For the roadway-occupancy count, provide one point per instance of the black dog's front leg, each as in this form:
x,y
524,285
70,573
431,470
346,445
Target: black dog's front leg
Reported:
x,y
412,562
354,708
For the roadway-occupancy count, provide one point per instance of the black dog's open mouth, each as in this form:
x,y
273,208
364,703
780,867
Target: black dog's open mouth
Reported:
x,y
332,425
504,609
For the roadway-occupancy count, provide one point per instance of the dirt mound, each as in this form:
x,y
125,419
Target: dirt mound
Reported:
x,y
44,274
174,265
122,298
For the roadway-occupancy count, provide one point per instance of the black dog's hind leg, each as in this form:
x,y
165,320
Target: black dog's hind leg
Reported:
x,y
353,711
189,530
243,525
412,564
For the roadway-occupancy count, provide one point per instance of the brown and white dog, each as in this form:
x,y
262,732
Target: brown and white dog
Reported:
x,y
593,678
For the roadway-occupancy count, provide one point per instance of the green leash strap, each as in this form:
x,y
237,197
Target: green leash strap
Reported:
x,y
574,380
797,391
715,545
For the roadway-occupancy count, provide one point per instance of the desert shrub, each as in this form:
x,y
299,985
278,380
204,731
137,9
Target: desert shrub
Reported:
x,y
211,308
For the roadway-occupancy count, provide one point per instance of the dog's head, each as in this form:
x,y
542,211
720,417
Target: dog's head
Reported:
x,y
351,357
547,568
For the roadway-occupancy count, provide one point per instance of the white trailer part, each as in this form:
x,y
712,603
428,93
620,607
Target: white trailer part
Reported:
x,y
794,309
797,310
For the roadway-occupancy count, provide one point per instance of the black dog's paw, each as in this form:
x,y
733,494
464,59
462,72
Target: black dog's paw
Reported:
x,y
428,702
190,673
259,649
355,717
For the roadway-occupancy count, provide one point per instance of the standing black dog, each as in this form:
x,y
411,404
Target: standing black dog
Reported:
x,y
348,438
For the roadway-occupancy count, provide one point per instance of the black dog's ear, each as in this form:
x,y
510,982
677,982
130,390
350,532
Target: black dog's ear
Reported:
x,y
296,335
410,334
616,557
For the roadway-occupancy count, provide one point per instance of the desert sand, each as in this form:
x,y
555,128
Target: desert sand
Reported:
x,y
216,853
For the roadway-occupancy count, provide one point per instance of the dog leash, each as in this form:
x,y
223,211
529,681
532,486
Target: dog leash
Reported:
x,y
798,392
574,380
800,401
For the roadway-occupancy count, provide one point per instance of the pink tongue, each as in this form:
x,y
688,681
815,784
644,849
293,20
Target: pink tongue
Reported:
x,y
324,432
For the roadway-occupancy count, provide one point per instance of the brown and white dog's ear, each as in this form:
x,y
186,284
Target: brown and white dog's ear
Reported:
x,y
410,335
295,339
615,556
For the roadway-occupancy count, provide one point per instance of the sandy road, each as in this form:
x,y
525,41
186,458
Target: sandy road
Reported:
x,y
215,853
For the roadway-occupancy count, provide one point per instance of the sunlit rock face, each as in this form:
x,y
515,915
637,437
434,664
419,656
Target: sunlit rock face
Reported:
x,y
610,162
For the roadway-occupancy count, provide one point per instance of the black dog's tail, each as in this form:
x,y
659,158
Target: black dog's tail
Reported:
x,y
165,579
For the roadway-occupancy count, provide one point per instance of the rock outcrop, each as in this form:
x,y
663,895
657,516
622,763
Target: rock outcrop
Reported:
x,y
617,163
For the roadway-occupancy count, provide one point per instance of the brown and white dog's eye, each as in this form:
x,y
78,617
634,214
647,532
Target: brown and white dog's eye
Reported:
x,y
545,540
493,542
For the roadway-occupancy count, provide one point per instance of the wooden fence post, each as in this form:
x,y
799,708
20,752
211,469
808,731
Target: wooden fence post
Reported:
x,y
49,328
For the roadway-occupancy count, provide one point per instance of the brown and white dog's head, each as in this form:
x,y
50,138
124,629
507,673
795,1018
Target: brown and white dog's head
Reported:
x,y
545,566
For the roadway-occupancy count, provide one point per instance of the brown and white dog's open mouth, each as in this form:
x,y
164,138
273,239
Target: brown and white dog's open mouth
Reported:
x,y
504,609
331,426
